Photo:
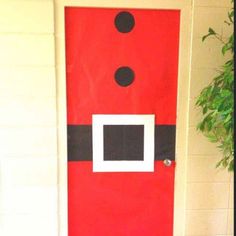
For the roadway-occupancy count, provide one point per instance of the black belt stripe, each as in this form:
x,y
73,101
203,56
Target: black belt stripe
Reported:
x,y
80,142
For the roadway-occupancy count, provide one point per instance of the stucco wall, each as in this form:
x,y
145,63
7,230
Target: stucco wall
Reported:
x,y
32,182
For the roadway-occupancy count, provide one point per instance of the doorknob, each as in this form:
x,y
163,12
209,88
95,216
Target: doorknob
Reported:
x,y
167,162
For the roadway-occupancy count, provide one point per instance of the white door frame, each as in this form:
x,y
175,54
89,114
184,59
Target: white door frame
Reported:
x,y
182,100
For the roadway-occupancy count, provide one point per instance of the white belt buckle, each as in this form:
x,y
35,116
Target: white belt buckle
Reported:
x,y
99,165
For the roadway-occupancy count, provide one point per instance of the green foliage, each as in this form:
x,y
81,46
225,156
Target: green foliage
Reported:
x,y
216,102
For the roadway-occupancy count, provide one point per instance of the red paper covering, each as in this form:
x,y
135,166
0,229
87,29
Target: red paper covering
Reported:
x,y
95,49
121,204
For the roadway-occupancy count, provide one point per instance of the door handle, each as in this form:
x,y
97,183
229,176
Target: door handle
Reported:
x,y
167,162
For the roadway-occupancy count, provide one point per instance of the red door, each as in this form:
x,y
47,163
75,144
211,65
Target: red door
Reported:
x,y
121,70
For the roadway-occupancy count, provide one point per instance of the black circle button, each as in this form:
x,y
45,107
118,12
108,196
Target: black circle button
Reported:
x,y
124,76
124,22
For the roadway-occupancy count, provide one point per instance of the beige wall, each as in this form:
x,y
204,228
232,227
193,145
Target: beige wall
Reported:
x,y
28,148
33,187
209,191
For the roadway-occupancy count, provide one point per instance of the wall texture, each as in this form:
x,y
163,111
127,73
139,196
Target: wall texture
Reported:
x,y
28,148
209,205
29,179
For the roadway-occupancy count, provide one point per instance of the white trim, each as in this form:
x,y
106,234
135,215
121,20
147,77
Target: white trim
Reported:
x,y
182,122
99,165
140,4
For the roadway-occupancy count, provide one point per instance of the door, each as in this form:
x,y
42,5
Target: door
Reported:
x,y
122,75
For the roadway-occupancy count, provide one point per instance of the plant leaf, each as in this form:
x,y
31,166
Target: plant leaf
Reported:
x,y
216,102
210,32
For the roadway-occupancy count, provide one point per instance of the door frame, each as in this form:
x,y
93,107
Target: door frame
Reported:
x,y
182,99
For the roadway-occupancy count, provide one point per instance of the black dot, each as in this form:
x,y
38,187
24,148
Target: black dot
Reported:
x,y
124,22
124,76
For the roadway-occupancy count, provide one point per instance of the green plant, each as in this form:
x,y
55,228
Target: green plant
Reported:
x,y
216,102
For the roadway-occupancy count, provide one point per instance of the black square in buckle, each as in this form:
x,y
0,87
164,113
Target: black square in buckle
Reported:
x,y
123,142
